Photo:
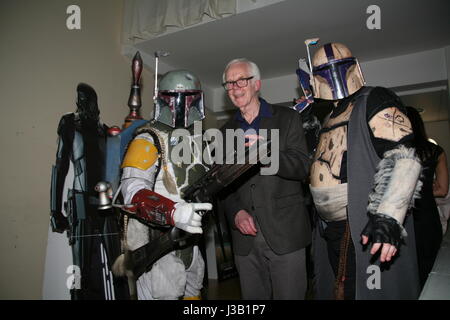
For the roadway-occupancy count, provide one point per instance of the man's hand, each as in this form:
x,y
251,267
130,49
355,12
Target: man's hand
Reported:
x,y
385,233
59,222
186,217
245,223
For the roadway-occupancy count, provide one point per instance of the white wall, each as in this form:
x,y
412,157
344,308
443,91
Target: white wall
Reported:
x,y
416,68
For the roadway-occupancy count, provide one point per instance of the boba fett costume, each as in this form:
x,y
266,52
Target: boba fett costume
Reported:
x,y
153,182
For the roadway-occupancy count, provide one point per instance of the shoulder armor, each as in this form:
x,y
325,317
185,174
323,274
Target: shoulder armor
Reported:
x,y
141,154
67,120
381,98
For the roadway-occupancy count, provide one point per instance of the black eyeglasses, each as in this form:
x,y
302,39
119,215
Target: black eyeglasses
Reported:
x,y
240,83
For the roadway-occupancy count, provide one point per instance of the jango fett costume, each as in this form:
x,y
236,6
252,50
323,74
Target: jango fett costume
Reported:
x,y
363,179
152,185
93,234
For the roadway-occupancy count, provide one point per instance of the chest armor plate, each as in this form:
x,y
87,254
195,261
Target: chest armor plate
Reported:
x,y
326,168
185,154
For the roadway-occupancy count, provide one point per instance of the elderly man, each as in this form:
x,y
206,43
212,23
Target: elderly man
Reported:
x,y
269,223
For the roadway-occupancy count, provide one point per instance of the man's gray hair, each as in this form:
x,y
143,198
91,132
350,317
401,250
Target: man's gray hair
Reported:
x,y
252,67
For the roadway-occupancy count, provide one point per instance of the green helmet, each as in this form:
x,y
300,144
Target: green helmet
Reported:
x,y
179,102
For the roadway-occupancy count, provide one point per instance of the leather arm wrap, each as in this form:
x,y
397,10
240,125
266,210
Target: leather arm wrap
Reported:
x,y
396,185
153,208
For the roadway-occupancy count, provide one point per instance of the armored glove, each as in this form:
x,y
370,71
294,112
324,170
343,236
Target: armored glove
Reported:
x,y
187,218
58,222
154,208
383,229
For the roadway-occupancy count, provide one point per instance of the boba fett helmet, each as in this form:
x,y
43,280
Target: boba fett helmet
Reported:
x,y
179,102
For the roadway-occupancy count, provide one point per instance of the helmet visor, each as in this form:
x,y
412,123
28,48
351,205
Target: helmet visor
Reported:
x,y
180,109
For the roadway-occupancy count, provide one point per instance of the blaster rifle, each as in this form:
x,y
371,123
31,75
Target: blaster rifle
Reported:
x,y
212,182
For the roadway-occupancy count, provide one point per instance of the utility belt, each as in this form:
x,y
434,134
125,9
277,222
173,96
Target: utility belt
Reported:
x,y
184,251
142,259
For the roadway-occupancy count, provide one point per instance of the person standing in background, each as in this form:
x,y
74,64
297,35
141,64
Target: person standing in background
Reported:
x,y
427,223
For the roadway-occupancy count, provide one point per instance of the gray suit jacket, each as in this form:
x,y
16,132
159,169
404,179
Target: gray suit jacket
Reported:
x,y
275,201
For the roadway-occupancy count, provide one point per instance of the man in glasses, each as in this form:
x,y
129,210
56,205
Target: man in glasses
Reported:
x,y
362,181
269,223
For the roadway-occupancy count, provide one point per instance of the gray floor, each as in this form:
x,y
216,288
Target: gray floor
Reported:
x,y
228,289
437,286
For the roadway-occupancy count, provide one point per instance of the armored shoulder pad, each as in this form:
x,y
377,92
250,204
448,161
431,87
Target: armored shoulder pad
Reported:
x,y
141,154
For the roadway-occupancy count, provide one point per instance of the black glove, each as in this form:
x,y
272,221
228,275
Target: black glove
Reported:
x,y
383,229
59,222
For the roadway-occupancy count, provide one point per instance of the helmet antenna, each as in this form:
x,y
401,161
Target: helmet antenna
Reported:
x,y
310,42
159,53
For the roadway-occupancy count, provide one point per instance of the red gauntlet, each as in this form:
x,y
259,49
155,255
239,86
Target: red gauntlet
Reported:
x,y
153,207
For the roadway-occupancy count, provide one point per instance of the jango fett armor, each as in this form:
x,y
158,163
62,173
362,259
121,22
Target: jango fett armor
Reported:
x,y
93,235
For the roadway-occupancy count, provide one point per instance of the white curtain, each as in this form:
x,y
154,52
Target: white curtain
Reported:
x,y
145,19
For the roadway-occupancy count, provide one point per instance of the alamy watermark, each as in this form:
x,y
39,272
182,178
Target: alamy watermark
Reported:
x,y
374,280
73,21
74,280
374,20
235,147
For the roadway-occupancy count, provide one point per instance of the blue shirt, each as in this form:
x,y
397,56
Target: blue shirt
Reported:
x,y
263,112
